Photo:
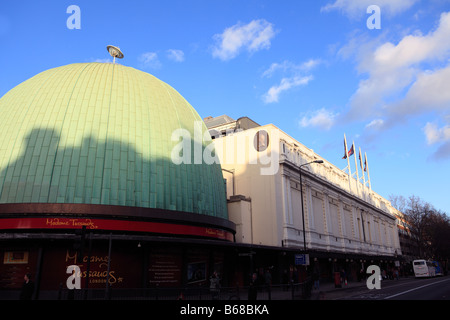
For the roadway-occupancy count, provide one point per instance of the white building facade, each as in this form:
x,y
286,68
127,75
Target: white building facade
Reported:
x,y
343,218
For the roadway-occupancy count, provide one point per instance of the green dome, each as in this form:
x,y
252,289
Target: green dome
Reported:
x,y
100,133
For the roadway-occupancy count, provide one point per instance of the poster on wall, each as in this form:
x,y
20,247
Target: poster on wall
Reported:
x,y
196,272
15,257
13,266
165,269
197,266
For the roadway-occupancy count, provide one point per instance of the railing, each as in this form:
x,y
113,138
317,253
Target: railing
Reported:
x,y
292,291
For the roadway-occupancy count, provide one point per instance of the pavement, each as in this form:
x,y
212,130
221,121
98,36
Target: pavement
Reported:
x,y
328,291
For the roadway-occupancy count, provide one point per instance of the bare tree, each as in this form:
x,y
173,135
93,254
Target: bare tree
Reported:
x,y
437,235
398,202
416,214
425,226
407,234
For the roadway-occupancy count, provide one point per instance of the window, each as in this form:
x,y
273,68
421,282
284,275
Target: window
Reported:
x,y
15,257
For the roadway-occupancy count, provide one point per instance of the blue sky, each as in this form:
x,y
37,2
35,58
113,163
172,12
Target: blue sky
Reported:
x,y
312,68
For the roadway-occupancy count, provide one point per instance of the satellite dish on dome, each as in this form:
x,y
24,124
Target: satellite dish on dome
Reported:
x,y
115,52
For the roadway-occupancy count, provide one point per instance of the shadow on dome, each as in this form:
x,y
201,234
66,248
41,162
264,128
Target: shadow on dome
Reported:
x,y
108,173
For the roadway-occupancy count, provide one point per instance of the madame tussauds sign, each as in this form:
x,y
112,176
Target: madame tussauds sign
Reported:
x,y
98,273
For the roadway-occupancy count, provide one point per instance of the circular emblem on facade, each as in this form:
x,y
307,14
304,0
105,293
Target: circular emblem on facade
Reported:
x,y
261,140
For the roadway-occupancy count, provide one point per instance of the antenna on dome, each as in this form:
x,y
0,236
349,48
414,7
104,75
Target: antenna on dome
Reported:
x,y
115,52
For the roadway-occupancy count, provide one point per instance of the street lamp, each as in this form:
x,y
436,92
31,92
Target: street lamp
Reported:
x,y
301,199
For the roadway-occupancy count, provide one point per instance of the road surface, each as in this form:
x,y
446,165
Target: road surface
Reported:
x,y
411,289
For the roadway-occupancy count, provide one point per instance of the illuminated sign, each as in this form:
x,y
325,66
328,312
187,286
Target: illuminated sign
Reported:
x,y
119,225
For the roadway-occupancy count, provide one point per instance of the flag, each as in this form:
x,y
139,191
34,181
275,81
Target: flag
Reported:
x,y
360,160
366,169
365,163
350,152
347,154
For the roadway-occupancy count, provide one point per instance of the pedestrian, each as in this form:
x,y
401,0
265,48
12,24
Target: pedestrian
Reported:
x,y
396,274
343,277
214,286
268,278
285,280
27,288
253,287
316,278
363,274
295,275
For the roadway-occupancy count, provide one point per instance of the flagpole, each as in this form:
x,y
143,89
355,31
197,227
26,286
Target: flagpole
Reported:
x,y
363,175
362,167
368,173
348,164
356,168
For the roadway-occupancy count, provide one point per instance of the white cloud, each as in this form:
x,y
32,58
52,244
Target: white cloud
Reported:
x,y
414,49
150,60
322,118
175,55
252,37
275,67
104,60
286,83
393,69
442,153
429,92
357,8
311,63
288,66
435,135
375,124
293,75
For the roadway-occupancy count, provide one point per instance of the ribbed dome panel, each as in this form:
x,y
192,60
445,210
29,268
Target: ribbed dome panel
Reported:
x,y
100,133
